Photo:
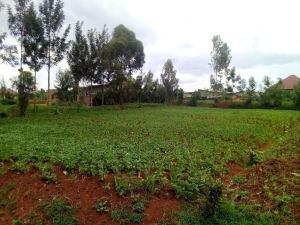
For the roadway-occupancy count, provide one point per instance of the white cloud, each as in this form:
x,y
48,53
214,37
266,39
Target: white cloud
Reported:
x,y
263,35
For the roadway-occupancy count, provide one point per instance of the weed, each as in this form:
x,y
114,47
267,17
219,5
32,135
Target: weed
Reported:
x,y
238,180
122,185
3,194
28,192
2,168
32,213
19,166
100,206
60,212
138,207
136,217
227,213
48,176
282,201
120,215
253,157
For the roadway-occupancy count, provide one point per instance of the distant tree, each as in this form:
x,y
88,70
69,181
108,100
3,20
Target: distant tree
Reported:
x,y
277,93
24,83
220,60
53,17
180,96
126,54
16,23
250,91
296,96
2,88
159,92
194,99
65,82
233,79
139,83
169,80
97,65
273,94
7,52
149,87
265,95
41,94
34,43
78,57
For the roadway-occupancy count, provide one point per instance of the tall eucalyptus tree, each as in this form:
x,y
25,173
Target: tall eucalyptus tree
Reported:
x,y
53,17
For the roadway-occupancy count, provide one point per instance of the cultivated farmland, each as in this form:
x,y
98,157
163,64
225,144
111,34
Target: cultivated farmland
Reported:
x,y
150,165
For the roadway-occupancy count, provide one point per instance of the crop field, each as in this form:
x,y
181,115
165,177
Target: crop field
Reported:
x,y
150,165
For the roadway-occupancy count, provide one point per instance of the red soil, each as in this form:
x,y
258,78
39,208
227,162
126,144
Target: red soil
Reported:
x,y
81,192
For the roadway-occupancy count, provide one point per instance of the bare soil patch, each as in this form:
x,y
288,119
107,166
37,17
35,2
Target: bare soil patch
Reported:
x,y
81,191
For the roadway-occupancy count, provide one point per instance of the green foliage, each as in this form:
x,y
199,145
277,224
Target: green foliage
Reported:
x,y
169,80
273,94
24,84
53,16
7,101
19,166
60,212
227,213
34,43
125,55
125,216
138,207
296,96
100,206
77,56
48,176
41,95
253,156
149,148
4,199
250,91
220,60
7,53
16,22
180,96
122,186
238,180
64,81
194,99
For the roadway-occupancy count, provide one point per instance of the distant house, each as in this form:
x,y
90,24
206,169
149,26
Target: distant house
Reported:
x,y
11,92
187,94
52,95
91,91
290,82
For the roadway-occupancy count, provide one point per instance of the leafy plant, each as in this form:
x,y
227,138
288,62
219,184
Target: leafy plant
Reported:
x,y
100,206
138,207
122,185
60,212
3,194
238,179
48,176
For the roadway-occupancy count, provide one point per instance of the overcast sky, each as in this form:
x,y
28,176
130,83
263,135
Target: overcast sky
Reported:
x,y
263,36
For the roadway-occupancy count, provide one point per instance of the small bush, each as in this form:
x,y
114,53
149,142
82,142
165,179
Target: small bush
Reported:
x,y
7,101
3,115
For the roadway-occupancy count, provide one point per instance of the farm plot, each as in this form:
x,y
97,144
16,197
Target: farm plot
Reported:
x,y
139,158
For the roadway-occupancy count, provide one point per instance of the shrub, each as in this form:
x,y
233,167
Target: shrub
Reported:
x,y
7,101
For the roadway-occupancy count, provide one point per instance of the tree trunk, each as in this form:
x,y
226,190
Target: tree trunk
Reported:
x,y
121,96
103,97
35,93
91,97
